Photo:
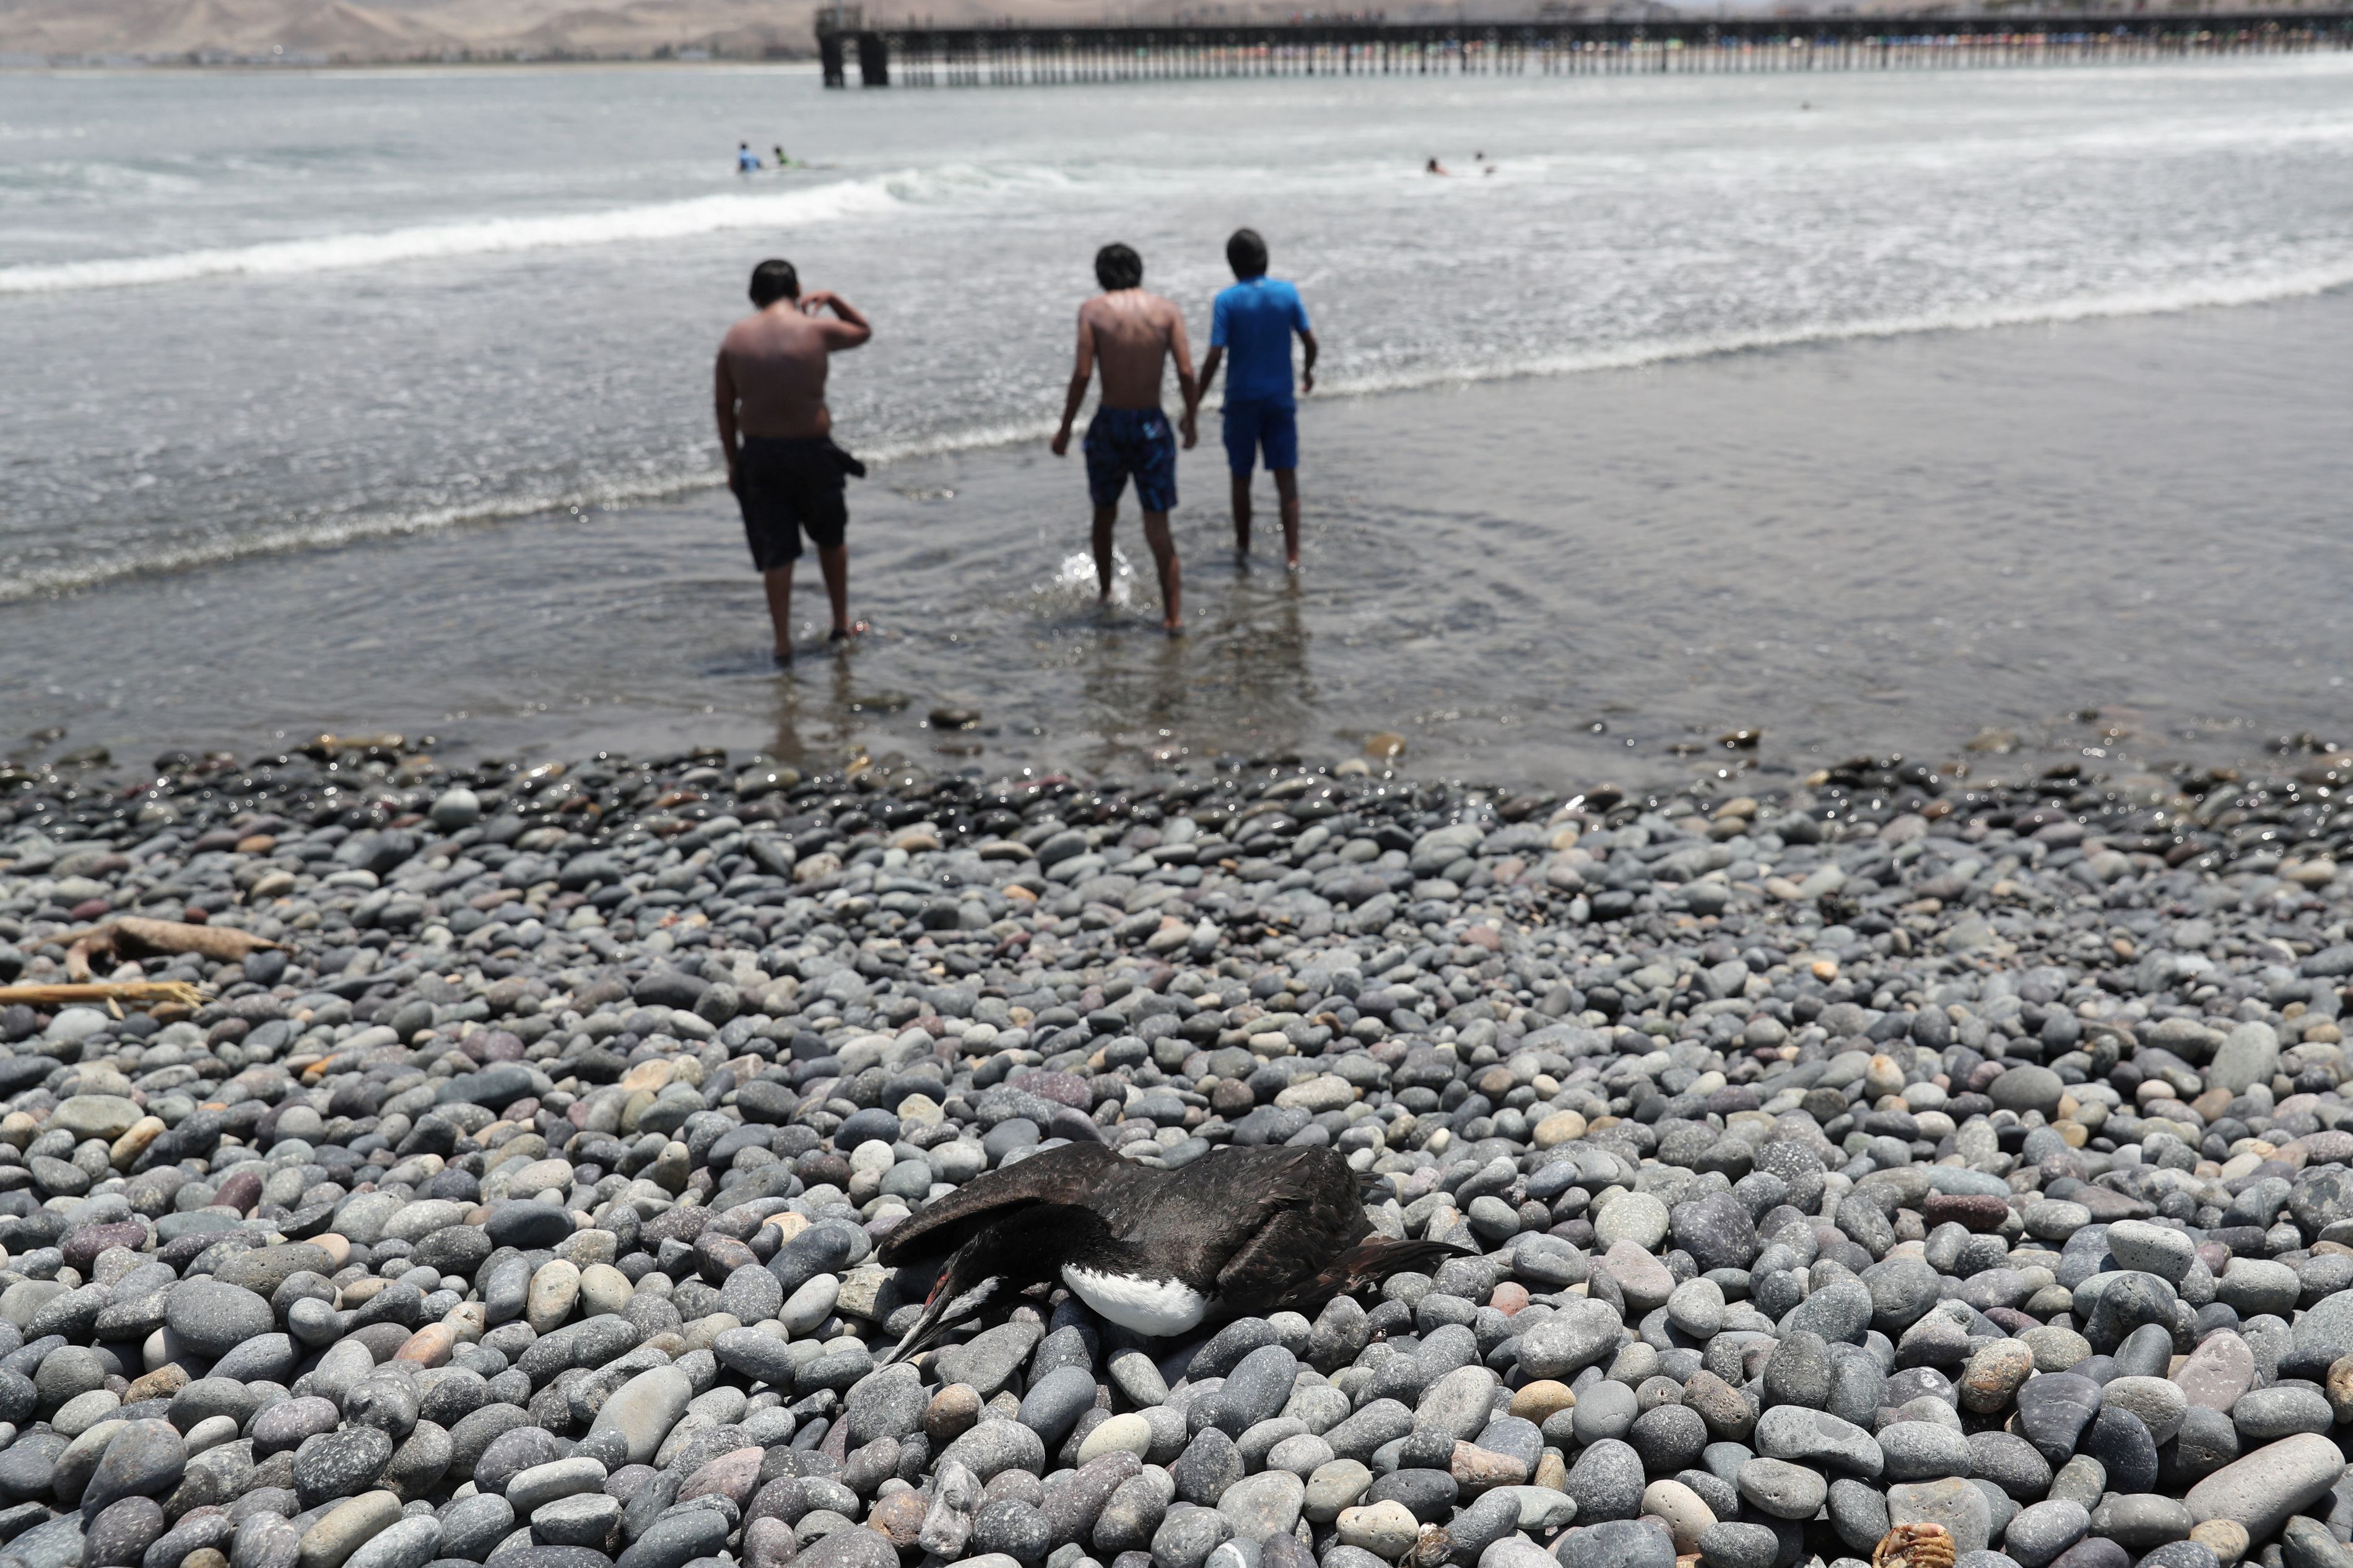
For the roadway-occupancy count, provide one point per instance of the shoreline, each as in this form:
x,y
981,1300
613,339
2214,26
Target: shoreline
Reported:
x,y
1700,562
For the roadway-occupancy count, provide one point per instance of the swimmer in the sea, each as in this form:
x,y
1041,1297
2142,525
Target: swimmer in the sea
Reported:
x,y
782,162
746,161
1433,167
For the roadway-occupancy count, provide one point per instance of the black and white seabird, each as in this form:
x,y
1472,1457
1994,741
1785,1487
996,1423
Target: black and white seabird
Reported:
x,y
1237,1233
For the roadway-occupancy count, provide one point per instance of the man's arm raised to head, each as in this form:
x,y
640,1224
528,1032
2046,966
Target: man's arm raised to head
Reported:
x,y
1081,372
848,331
724,395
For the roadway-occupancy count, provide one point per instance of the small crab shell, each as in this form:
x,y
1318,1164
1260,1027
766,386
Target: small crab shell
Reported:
x,y
1914,1546
1430,1549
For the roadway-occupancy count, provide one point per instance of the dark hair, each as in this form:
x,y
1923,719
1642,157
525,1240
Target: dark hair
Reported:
x,y
773,280
1118,266
1246,254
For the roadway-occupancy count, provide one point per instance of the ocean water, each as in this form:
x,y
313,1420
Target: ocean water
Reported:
x,y
382,398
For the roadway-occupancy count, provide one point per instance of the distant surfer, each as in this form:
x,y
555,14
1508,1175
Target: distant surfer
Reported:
x,y
1133,334
746,161
787,474
782,162
1434,167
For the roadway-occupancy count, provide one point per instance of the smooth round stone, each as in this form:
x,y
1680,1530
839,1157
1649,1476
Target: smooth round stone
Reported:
x,y
645,1409
120,1535
1129,1433
2225,1538
2158,1402
528,1490
412,1542
525,1223
84,1411
1618,1543
1788,1432
2028,1087
146,1459
589,1519
2010,1463
1429,1493
1669,1438
2042,1531
1334,1486
1607,1410
1541,1399
1055,1402
214,1318
1636,1218
1920,1451
1267,1504
2122,1443
1302,1455
1994,1374
471,1526
1697,1307
1783,1490
1387,1530
2267,1415
2142,1522
1607,1480
341,1464
286,1425
1687,1514
1730,1544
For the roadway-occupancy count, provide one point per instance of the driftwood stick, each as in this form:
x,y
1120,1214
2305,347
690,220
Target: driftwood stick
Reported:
x,y
108,993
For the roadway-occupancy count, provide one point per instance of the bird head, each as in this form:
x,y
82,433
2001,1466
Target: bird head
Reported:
x,y
1025,1249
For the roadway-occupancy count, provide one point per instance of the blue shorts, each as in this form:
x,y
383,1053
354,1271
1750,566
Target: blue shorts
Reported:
x,y
1138,442
1251,425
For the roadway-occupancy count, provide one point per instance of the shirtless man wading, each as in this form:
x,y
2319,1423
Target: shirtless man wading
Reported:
x,y
787,473
1132,333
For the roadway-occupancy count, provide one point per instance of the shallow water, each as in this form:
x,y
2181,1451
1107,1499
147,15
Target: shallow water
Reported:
x,y
1871,546
1868,409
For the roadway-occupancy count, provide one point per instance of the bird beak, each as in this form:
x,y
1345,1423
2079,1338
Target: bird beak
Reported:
x,y
950,1304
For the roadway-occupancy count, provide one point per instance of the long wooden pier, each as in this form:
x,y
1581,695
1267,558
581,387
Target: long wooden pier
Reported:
x,y
1020,55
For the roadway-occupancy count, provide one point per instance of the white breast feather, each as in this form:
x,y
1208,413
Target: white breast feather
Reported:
x,y
1156,1306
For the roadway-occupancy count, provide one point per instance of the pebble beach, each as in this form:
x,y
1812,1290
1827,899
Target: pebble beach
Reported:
x,y
1899,1147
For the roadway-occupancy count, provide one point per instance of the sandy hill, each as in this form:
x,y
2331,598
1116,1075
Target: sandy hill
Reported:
x,y
361,30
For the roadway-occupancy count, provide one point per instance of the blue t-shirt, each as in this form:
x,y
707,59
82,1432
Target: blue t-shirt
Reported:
x,y
1254,321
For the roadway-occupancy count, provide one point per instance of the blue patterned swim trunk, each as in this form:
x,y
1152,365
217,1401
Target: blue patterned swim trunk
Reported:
x,y
1140,442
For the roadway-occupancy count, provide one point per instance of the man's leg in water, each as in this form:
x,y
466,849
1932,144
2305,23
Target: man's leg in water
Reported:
x,y
1241,513
779,580
1286,491
836,565
1164,556
1104,517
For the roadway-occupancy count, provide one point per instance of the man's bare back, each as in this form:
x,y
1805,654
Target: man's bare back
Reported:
x,y
775,430
1132,333
772,366
1130,336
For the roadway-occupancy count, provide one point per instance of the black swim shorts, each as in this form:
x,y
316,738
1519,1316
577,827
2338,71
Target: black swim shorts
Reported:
x,y
788,487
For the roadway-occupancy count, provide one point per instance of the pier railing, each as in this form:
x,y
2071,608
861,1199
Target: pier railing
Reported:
x,y
1025,56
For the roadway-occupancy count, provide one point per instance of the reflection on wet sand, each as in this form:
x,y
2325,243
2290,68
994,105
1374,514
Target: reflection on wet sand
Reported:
x,y
1237,682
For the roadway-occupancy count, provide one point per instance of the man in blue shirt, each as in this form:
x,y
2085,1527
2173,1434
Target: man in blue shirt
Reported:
x,y
1254,320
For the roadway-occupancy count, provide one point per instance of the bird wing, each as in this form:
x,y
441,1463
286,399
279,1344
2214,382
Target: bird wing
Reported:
x,y
1074,1173
1257,1221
